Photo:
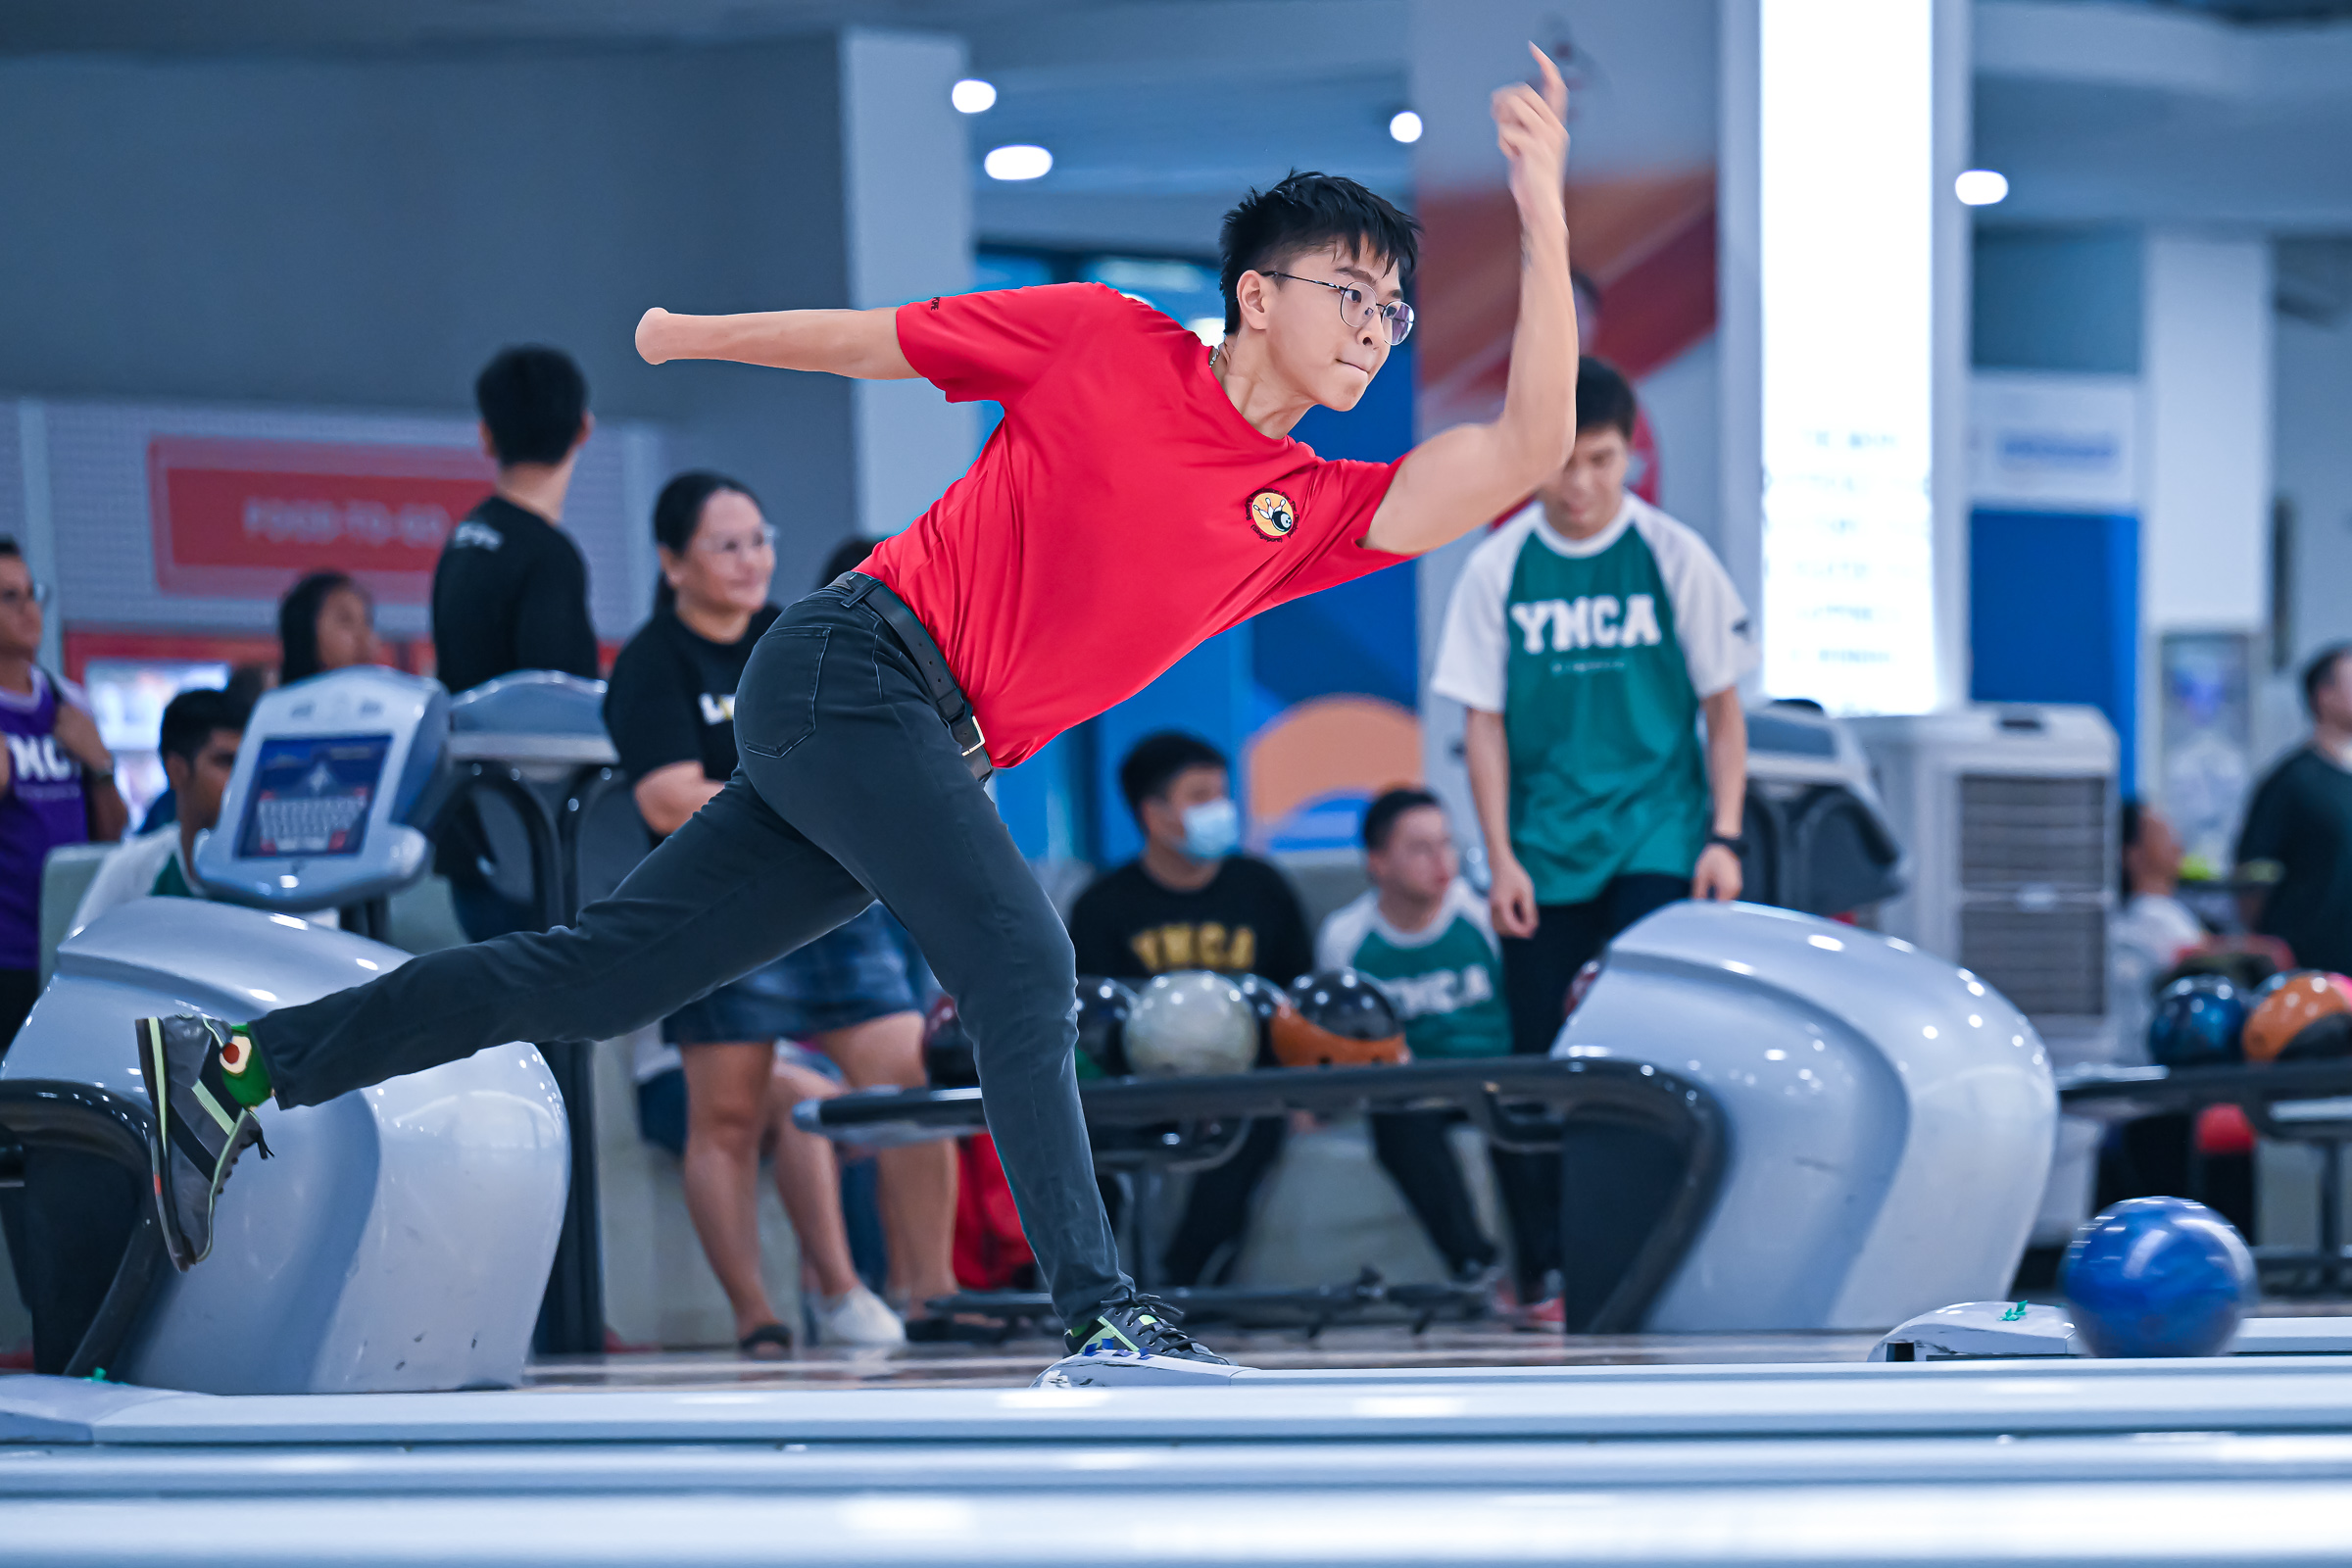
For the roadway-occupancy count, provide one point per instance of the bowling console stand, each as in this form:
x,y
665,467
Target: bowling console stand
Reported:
x,y
1152,1128
2293,1101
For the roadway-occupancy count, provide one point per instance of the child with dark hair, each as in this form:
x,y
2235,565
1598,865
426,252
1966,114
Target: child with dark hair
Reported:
x,y
1423,933
1141,496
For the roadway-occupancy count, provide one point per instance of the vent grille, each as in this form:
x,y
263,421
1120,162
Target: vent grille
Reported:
x,y
2048,962
2033,832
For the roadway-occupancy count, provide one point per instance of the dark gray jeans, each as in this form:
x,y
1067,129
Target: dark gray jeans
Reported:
x,y
850,788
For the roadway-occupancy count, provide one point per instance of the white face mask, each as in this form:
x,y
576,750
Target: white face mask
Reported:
x,y
1212,830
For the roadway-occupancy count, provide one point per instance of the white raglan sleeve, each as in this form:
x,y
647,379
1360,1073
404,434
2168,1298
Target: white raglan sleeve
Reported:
x,y
1471,650
1710,621
1343,934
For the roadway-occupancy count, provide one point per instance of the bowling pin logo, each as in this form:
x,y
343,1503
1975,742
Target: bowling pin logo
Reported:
x,y
1271,514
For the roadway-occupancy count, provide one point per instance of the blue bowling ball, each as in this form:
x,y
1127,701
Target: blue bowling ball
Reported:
x,y
2158,1276
2197,1023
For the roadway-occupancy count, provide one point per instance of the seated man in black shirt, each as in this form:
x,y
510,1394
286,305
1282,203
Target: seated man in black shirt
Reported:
x,y
511,590
2296,847
1190,902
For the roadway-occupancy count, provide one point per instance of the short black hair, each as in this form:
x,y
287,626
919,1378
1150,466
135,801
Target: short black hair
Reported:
x,y
846,556
1152,764
1380,817
678,512
1268,229
533,399
298,623
2320,671
192,718
9,549
1604,397
2133,816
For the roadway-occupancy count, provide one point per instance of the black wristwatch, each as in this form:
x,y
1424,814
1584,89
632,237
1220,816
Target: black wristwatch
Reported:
x,y
1736,843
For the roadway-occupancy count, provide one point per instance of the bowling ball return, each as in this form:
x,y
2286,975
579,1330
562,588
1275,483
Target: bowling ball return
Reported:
x,y
1155,1128
2304,1102
1767,1122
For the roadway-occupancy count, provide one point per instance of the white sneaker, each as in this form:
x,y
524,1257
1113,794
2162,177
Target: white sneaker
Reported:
x,y
859,1317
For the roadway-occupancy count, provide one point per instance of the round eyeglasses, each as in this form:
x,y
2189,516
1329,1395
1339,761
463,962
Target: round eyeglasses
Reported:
x,y
1357,308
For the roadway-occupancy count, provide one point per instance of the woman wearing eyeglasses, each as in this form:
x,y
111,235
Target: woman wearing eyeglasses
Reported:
x,y
670,708
57,783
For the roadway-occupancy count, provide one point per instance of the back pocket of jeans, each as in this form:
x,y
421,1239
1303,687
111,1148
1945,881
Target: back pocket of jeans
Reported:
x,y
775,703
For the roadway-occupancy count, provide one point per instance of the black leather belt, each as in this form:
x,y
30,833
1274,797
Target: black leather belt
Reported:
x,y
914,636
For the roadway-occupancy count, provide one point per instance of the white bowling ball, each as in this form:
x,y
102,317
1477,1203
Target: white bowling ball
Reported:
x,y
1191,1024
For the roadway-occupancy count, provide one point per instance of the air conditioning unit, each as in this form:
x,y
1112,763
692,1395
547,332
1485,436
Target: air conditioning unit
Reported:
x,y
2009,814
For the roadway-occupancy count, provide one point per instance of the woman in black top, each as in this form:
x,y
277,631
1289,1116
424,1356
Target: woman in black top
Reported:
x,y
671,709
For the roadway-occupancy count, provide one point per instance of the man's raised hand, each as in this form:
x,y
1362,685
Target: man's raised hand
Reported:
x,y
1531,128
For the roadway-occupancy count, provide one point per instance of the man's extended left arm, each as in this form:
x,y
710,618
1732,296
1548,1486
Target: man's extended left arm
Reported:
x,y
1718,875
1462,478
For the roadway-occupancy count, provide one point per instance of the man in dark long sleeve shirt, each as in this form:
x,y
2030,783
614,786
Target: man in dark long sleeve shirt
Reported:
x,y
511,590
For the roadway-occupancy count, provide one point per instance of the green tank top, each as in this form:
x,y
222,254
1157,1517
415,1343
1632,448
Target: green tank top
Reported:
x,y
1607,775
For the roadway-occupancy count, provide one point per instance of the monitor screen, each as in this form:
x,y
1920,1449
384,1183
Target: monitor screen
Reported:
x,y
311,795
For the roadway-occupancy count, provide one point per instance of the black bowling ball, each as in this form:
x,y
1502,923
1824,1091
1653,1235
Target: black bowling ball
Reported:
x,y
949,1060
1347,1004
1103,1010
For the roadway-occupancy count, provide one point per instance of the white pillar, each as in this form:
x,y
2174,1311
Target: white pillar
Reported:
x,y
908,203
1845,299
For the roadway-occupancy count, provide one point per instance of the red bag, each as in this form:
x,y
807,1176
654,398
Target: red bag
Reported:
x,y
991,1253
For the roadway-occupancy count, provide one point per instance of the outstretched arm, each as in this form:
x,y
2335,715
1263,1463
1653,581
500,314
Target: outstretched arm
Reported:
x,y
859,343
1461,478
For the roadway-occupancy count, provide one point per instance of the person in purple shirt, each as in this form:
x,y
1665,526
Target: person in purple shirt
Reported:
x,y
56,784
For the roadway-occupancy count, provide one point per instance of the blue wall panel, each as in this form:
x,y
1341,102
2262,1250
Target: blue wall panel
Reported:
x,y
2054,613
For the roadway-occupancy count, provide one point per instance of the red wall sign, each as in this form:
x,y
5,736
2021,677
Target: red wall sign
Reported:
x,y
243,519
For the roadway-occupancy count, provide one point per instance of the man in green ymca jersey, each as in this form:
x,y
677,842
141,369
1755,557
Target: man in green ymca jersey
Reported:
x,y
1587,636
1422,933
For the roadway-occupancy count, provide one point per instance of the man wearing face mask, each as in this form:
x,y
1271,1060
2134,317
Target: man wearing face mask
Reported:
x,y
1190,902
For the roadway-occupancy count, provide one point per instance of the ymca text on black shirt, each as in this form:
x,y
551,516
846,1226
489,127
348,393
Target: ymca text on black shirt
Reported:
x,y
1246,921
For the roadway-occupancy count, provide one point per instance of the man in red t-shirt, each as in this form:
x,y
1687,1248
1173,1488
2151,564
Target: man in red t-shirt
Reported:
x,y
1142,495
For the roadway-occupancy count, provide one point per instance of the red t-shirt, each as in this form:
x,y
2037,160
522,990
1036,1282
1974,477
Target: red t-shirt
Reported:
x,y
1122,514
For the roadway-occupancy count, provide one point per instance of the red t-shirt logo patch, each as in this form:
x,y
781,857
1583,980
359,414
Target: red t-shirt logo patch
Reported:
x,y
1271,513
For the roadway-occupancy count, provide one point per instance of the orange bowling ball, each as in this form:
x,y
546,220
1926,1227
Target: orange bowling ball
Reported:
x,y
2299,1002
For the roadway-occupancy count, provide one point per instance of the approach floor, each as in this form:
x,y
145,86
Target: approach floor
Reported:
x,y
1014,1363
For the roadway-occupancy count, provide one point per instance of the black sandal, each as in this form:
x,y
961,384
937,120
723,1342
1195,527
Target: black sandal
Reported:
x,y
775,1334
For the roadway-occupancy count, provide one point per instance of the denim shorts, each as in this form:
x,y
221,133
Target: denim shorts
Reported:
x,y
856,972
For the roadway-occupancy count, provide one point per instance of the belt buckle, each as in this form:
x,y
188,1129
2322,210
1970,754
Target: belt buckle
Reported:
x,y
975,755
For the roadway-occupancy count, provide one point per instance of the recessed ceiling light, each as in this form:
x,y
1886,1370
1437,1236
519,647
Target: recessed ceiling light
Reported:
x,y
972,96
1020,161
1404,125
1980,188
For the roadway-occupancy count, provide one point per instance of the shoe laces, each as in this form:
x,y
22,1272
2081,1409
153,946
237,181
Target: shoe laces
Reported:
x,y
1151,1323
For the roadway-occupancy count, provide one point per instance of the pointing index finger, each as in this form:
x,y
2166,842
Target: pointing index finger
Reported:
x,y
1556,90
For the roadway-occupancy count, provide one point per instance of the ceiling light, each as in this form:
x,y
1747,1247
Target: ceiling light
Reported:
x,y
1404,125
1020,161
1980,188
972,96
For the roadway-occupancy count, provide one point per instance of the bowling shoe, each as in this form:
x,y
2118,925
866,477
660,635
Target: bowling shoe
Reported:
x,y
199,1128
1135,1342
